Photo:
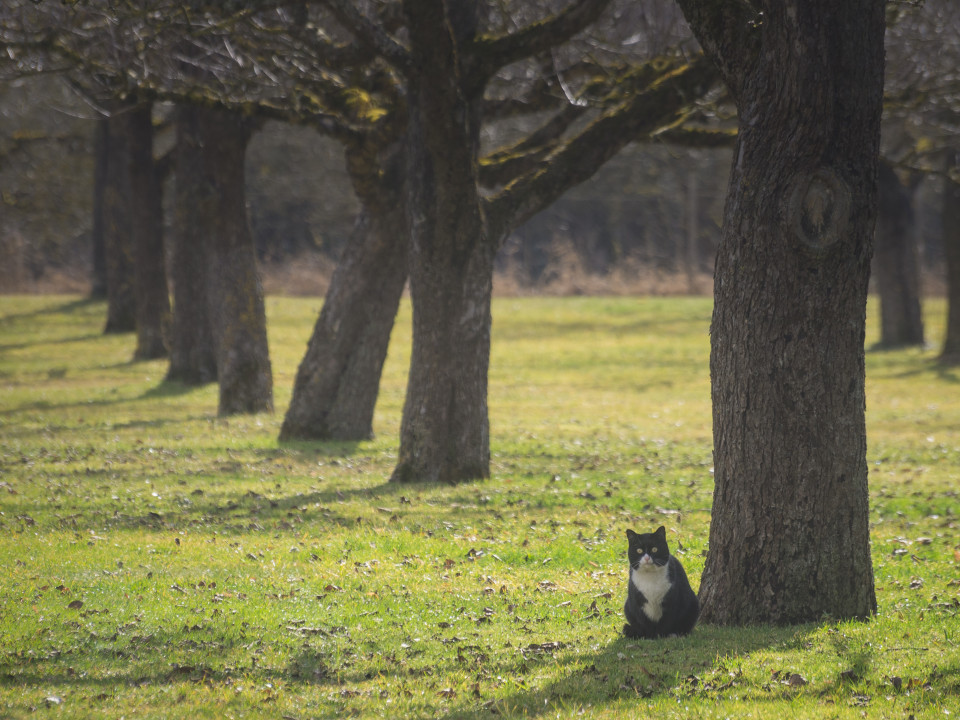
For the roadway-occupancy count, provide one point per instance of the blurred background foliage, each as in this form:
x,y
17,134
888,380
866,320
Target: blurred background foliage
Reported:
x,y
648,222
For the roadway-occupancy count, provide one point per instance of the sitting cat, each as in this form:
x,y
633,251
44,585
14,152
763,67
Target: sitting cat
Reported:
x,y
660,601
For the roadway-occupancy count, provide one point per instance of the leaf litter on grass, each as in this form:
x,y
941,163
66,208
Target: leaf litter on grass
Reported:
x,y
220,573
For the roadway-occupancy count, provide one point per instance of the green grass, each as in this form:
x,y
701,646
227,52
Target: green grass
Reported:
x,y
162,562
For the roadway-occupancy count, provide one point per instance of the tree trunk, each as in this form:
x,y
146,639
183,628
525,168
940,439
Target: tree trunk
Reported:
x,y
789,536
444,434
152,294
234,292
336,389
692,258
117,228
951,244
896,265
98,280
193,354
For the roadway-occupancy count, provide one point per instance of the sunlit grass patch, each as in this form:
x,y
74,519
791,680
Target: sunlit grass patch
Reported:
x,y
163,562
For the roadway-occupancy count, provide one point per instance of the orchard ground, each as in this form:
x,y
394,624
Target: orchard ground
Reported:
x,y
163,562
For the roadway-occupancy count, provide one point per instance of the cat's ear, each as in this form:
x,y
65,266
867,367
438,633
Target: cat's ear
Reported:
x,y
661,531
631,534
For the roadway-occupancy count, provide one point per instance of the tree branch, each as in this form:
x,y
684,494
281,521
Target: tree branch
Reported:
x,y
729,33
370,33
580,157
696,137
508,163
488,53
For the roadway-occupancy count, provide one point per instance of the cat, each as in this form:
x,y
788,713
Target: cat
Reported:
x,y
660,601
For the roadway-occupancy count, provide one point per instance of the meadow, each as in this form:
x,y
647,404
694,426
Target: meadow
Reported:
x,y
161,562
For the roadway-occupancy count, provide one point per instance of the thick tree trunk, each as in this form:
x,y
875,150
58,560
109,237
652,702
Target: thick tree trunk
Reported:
x,y
336,389
951,244
152,294
896,265
445,433
98,279
117,228
234,292
692,256
193,353
789,537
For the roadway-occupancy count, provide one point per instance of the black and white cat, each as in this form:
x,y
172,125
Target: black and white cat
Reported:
x,y
660,601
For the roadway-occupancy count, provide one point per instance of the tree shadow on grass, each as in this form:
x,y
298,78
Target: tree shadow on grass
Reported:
x,y
705,662
948,372
172,657
65,307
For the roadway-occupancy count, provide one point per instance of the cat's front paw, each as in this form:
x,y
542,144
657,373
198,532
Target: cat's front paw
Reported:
x,y
629,632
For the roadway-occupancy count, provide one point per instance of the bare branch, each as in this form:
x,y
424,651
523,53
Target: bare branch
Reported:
x,y
729,33
490,53
580,157
370,33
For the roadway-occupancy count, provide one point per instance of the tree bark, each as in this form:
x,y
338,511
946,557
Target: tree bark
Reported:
x,y
193,354
98,280
234,293
152,294
896,265
789,536
338,380
444,433
117,228
951,244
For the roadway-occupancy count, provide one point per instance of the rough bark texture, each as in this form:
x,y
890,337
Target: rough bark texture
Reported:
x,y
789,537
117,229
444,433
896,265
337,383
193,355
951,244
234,292
152,294
98,286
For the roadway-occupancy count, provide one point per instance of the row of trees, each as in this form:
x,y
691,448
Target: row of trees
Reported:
x,y
407,88
336,74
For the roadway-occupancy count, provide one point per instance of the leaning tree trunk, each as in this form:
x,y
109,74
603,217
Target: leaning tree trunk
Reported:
x,y
444,434
152,295
896,265
234,292
193,353
336,388
117,227
789,537
951,244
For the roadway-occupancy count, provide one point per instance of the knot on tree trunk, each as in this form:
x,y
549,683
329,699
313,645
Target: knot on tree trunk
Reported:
x,y
818,209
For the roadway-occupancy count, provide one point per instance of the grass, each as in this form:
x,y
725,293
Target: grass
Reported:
x,y
162,562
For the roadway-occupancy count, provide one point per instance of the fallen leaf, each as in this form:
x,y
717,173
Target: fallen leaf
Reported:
x,y
796,680
76,605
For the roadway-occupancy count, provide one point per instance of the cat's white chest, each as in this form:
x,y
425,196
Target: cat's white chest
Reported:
x,y
653,582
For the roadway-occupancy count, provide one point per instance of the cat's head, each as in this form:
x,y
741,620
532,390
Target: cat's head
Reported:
x,y
647,549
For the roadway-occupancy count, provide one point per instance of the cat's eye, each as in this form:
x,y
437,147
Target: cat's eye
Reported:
x,y
653,550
